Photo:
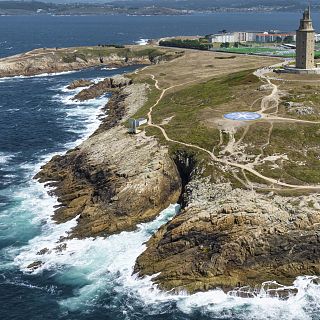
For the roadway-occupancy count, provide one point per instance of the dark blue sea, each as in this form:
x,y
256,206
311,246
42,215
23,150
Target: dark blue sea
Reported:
x,y
92,278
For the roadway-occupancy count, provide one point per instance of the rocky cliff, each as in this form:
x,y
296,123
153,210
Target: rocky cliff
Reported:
x,y
228,237
113,180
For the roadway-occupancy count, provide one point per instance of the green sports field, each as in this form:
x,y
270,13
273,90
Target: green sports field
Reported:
x,y
272,51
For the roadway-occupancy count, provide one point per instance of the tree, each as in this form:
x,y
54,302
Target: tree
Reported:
x,y
288,39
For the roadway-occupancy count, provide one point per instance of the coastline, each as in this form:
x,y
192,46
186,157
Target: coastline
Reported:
x,y
45,61
114,181
96,180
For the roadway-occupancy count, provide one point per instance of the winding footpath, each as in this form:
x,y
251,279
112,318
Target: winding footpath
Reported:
x,y
273,98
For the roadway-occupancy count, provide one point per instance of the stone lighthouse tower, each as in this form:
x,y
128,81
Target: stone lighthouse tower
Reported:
x,y
305,42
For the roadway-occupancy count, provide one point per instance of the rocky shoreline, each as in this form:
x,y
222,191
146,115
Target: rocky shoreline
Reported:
x,y
113,180
230,238
225,236
56,60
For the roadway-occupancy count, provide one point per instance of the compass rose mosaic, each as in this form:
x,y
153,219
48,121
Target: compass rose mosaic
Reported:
x,y
242,116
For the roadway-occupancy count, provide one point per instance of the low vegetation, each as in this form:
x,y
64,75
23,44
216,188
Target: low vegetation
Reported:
x,y
188,44
100,51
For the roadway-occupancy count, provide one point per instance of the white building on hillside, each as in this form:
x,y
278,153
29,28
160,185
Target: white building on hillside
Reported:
x,y
239,36
222,38
266,37
262,37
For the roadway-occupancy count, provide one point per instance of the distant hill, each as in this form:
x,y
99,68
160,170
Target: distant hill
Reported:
x,y
143,7
194,4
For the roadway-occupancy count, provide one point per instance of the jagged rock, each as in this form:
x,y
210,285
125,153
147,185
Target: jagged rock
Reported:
x,y
79,83
61,247
43,251
231,237
35,265
52,60
102,87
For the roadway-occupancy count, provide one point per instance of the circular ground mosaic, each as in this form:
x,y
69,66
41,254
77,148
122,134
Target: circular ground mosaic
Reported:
x,y
243,116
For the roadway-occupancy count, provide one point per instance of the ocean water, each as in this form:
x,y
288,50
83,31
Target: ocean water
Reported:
x,y
92,278
23,33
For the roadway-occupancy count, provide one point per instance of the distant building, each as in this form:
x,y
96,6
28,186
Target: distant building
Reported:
x,y
239,36
222,38
267,37
305,45
243,36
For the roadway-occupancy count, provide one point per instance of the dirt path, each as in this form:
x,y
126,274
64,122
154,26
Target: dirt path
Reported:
x,y
272,101
271,98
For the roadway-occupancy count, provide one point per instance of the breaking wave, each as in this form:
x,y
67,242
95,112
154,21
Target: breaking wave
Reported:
x,y
5,158
142,42
88,112
103,267
41,75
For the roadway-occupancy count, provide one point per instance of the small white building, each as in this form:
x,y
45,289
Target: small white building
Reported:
x,y
222,38
245,36
239,36
135,123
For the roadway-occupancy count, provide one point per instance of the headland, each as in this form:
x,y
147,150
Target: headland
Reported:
x,y
249,188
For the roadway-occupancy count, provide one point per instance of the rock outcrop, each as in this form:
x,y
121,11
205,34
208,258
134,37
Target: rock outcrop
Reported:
x,y
233,237
79,83
102,87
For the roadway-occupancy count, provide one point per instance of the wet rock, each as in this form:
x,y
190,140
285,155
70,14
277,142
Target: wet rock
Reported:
x,y
102,87
61,247
35,265
43,251
79,83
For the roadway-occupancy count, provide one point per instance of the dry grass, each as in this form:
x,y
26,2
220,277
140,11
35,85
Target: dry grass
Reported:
x,y
199,66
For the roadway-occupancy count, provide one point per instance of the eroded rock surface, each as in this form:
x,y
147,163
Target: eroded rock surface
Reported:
x,y
79,83
102,87
232,237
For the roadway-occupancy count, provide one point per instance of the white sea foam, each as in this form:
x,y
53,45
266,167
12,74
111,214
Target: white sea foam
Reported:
x,y
34,207
98,262
42,75
109,69
88,112
105,265
142,42
5,158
